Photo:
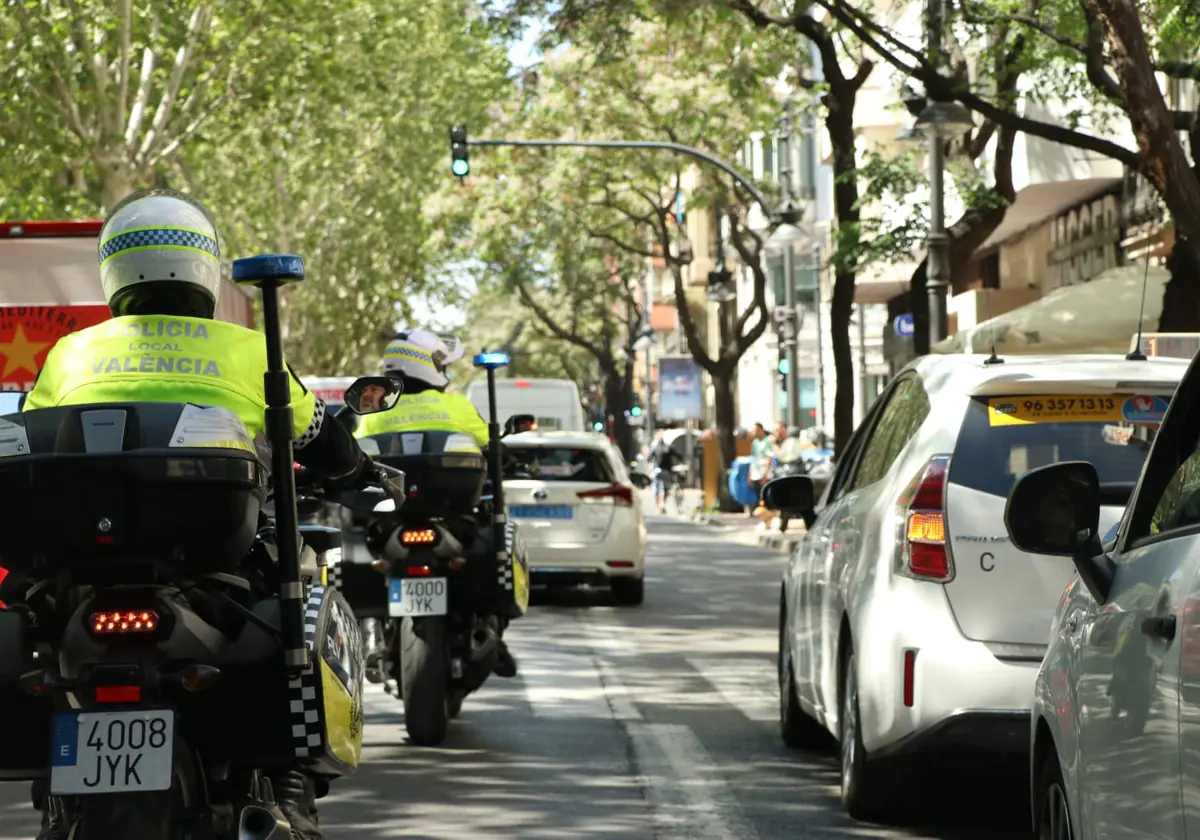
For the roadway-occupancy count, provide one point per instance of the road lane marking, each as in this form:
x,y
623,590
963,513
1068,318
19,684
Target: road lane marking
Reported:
x,y
620,699
749,685
689,800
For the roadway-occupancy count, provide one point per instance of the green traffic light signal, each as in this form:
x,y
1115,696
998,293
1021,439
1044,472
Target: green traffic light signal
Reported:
x,y
598,426
636,411
459,164
784,366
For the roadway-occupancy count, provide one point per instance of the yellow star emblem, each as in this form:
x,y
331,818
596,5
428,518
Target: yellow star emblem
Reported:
x,y
21,353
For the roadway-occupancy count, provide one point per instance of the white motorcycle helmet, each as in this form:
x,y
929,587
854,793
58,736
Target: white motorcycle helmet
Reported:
x,y
421,354
159,255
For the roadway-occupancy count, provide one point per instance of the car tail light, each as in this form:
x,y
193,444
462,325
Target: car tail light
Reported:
x,y
118,694
617,494
124,622
424,536
522,383
922,538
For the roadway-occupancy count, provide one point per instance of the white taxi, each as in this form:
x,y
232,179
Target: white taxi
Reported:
x,y
911,628
579,512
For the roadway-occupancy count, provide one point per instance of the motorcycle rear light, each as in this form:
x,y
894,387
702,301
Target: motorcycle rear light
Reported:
x,y
618,494
419,571
124,622
921,541
119,694
199,677
425,536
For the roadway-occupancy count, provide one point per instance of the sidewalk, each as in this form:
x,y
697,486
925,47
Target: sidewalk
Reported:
x,y
741,527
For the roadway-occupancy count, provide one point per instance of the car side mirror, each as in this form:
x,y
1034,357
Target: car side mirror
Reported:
x,y
640,480
1055,510
794,495
372,394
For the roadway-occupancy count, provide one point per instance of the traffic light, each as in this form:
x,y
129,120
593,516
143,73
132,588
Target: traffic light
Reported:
x,y
784,365
636,411
459,164
598,426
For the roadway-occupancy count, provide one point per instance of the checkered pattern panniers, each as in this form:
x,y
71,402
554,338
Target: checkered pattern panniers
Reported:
x,y
161,237
302,690
333,568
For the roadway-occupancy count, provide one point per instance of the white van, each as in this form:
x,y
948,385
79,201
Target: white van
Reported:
x,y
331,389
554,402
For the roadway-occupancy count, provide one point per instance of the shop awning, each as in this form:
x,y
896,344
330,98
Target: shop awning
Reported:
x,y
1100,316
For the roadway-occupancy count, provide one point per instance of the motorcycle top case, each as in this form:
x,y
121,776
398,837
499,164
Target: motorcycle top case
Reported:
x,y
445,470
25,720
86,487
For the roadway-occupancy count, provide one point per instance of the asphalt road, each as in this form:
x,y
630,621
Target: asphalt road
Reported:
x,y
658,721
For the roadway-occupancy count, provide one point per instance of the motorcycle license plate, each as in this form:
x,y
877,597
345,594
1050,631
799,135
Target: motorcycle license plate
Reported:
x,y
112,752
416,597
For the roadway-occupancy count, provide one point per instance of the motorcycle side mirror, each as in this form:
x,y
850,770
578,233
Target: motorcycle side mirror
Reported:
x,y
372,394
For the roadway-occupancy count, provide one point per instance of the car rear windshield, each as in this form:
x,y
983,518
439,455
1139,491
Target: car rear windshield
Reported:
x,y
991,458
561,463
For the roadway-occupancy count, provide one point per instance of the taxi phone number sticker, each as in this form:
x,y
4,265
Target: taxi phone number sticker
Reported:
x,y
1116,408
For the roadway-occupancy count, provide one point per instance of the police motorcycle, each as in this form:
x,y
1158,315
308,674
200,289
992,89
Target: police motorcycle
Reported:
x,y
175,643
454,566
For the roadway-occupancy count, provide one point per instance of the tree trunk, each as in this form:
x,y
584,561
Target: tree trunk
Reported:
x,y
1164,162
117,182
618,398
725,409
839,121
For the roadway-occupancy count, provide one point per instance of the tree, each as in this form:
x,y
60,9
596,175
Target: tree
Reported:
x,y
316,135
130,84
696,83
579,295
1103,48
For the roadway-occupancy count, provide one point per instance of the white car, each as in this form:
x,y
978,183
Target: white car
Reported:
x,y
579,512
1115,733
910,627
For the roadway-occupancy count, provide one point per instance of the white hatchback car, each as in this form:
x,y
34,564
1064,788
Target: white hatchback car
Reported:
x,y
909,626
579,512
1115,733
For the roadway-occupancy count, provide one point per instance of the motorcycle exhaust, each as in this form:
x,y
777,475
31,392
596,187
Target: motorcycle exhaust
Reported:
x,y
483,643
258,823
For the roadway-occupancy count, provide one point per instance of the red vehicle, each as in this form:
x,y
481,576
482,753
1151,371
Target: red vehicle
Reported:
x,y
50,286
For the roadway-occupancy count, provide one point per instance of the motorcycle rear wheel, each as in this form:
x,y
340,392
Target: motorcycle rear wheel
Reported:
x,y
423,673
144,815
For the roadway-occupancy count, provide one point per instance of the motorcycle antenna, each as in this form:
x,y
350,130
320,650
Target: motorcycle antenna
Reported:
x,y
269,272
987,303
490,362
1136,354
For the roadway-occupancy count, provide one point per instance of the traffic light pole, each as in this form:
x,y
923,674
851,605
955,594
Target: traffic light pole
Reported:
x,y
789,214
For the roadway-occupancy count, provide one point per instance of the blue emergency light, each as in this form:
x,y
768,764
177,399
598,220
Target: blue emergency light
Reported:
x,y
491,361
282,268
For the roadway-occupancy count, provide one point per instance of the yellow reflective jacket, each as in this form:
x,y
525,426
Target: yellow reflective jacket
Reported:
x,y
428,411
168,359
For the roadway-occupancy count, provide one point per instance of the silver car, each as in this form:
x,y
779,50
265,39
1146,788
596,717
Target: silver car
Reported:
x,y
910,626
1116,709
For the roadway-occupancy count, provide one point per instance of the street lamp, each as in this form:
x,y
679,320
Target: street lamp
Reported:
x,y
782,242
938,121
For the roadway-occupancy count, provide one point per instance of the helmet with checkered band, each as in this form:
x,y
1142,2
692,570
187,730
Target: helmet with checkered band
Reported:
x,y
422,355
159,256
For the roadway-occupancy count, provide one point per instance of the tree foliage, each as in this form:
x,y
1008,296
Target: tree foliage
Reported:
x,y
699,82
317,128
